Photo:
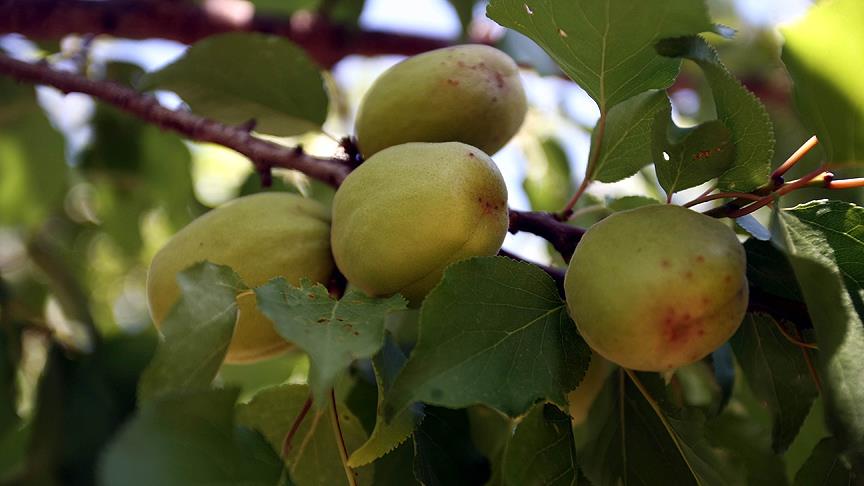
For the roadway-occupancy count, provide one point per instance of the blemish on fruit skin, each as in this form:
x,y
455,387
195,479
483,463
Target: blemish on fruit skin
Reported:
x,y
499,79
665,263
700,258
688,275
453,82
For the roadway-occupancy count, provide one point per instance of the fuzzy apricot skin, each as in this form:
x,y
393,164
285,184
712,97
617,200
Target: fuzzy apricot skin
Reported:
x,y
657,287
470,93
260,237
411,210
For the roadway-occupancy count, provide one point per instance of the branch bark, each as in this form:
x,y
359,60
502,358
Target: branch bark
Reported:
x,y
184,22
562,236
265,155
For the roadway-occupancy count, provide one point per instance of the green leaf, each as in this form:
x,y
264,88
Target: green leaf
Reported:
x,y
542,449
490,431
81,402
641,442
769,269
626,144
397,467
630,202
125,152
444,453
838,227
742,433
237,77
493,332
822,53
606,46
189,439
196,332
314,458
465,10
824,245
740,112
387,436
698,155
333,332
777,374
825,467
547,183
32,160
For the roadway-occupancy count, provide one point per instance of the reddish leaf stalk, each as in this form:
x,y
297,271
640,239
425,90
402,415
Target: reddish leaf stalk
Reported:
x,y
286,443
340,440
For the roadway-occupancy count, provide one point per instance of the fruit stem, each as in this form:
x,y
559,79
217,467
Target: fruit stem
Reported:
x,y
286,443
793,159
340,439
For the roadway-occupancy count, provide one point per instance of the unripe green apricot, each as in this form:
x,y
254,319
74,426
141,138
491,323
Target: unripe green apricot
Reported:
x,y
411,210
470,94
657,287
260,237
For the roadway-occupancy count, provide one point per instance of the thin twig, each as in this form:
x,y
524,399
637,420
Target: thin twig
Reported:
x,y
340,440
845,183
793,159
722,195
784,189
264,154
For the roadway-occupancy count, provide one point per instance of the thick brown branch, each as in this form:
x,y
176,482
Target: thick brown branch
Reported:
x,y
562,236
187,22
263,154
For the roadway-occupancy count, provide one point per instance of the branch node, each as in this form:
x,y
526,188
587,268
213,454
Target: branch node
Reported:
x,y
248,125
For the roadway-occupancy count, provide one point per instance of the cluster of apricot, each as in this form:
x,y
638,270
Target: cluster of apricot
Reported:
x,y
650,289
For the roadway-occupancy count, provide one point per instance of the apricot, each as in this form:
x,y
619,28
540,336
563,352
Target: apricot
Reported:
x,y
411,210
657,287
260,237
469,93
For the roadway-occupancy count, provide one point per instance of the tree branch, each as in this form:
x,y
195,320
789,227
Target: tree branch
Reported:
x,y
187,22
265,155
562,236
